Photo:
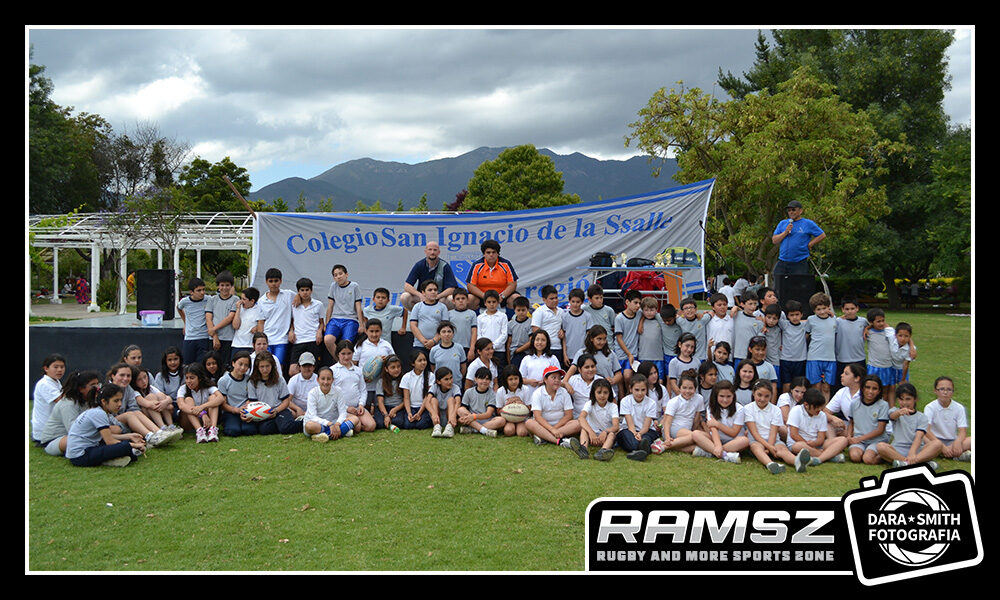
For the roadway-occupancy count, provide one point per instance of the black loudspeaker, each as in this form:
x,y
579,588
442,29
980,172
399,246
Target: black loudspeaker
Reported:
x,y
154,290
795,287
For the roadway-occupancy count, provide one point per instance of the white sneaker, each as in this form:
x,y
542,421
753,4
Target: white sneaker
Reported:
x,y
320,437
213,434
838,458
157,438
121,461
701,452
775,468
565,443
733,457
449,431
898,463
350,432
489,432
965,456
436,432
201,435
538,441
466,430
933,465
173,433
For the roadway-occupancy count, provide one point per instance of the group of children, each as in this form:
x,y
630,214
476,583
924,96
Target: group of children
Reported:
x,y
646,380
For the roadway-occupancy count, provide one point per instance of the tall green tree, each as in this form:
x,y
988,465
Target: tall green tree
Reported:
x,y
800,143
63,153
202,182
518,178
951,196
898,78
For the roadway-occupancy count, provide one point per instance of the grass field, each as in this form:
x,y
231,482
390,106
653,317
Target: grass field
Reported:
x,y
392,502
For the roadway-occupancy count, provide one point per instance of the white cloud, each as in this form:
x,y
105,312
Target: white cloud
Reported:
x,y
155,99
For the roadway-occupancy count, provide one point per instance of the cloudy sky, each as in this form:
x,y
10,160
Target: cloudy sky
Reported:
x,y
295,102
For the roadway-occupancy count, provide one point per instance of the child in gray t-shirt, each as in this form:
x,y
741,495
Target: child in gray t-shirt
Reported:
x,y
387,313
745,327
600,313
464,320
478,410
868,420
576,322
850,337
910,443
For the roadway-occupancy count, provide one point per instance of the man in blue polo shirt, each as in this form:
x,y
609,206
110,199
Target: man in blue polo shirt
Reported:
x,y
431,267
796,237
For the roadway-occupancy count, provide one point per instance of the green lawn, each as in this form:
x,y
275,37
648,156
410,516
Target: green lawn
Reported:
x,y
386,501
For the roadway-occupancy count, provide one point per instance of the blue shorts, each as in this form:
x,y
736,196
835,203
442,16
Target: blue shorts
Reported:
x,y
821,370
280,352
343,329
661,367
897,376
884,373
790,369
625,364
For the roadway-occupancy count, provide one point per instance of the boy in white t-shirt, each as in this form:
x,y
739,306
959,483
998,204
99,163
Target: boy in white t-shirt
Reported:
x,y
549,318
807,428
492,325
300,384
276,306
307,326
46,392
247,320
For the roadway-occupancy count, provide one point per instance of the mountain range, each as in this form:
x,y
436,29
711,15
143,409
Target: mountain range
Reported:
x,y
368,180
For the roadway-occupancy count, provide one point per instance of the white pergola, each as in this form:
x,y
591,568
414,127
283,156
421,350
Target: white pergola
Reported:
x,y
197,231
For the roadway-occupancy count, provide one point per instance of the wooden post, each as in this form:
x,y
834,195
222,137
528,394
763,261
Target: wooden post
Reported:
x,y
238,195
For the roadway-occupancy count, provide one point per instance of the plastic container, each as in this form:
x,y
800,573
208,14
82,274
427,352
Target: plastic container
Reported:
x,y
151,318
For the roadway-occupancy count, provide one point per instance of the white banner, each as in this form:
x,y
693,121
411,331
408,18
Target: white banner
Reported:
x,y
545,245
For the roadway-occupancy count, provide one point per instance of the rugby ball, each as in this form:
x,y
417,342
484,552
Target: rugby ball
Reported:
x,y
372,369
515,412
258,411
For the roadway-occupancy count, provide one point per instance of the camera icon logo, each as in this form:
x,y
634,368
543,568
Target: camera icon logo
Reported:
x,y
913,523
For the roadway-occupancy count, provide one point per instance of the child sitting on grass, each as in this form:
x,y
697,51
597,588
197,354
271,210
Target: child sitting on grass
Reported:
x,y
599,422
910,443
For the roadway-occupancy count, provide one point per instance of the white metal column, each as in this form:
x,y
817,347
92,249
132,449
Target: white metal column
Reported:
x,y
55,275
122,284
177,270
95,276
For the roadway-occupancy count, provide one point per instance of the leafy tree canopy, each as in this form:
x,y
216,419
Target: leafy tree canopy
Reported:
x,y
800,143
202,182
519,178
